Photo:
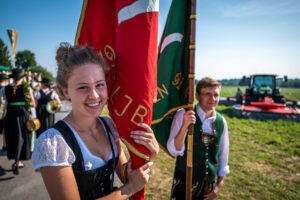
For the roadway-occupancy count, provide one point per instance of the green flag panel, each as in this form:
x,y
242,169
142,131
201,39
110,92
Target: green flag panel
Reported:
x,y
172,70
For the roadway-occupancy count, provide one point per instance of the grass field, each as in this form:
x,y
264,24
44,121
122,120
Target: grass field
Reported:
x,y
264,162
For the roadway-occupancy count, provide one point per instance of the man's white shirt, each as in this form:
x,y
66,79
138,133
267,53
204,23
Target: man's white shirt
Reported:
x,y
207,127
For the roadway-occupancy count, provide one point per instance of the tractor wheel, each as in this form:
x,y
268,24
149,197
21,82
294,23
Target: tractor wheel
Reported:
x,y
279,99
248,100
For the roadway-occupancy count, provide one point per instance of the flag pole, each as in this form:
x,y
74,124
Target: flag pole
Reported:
x,y
191,76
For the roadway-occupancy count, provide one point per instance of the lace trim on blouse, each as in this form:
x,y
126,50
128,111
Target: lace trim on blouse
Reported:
x,y
52,150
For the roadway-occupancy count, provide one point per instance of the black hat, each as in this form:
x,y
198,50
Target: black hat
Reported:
x,y
46,82
3,76
17,74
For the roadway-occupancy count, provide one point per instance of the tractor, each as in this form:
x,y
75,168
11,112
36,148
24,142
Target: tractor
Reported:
x,y
261,86
263,100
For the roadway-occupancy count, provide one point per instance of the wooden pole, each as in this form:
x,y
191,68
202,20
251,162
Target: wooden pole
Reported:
x,y
191,76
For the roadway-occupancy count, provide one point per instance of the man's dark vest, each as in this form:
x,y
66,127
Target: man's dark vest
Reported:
x,y
92,184
205,159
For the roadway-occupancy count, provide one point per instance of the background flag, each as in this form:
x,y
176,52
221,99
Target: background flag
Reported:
x,y
172,70
125,33
13,36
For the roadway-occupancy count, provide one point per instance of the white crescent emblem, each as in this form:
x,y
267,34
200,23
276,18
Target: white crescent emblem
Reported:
x,y
174,37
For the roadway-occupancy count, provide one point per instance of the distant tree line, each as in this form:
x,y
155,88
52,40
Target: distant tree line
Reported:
x,y
291,83
4,55
231,82
24,60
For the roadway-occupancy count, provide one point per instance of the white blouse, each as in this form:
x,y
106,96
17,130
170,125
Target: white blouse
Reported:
x,y
52,150
223,168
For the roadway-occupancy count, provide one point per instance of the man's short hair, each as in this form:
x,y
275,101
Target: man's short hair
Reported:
x,y
207,82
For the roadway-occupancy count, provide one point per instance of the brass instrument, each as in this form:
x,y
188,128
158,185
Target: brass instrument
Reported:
x,y
33,124
53,106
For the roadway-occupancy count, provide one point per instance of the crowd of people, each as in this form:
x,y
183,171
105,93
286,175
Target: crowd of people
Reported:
x,y
78,156
25,96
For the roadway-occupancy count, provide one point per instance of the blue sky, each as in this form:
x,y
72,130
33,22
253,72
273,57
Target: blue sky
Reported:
x,y
233,37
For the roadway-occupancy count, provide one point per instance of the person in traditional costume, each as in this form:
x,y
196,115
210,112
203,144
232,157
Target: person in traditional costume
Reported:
x,y
44,96
210,144
19,98
3,82
77,158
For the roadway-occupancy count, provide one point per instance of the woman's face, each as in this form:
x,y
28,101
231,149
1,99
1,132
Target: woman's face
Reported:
x,y
87,90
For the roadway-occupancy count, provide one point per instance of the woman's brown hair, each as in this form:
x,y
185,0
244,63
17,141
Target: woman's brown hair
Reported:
x,y
70,57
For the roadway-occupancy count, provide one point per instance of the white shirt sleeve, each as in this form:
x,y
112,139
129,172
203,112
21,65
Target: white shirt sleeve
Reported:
x,y
223,168
51,150
175,127
54,95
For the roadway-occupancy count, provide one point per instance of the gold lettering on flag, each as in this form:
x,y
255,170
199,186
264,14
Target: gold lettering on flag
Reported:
x,y
126,96
139,114
161,91
109,52
178,80
129,102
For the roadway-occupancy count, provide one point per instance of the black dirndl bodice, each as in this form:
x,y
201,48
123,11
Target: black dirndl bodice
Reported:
x,y
92,184
42,102
46,119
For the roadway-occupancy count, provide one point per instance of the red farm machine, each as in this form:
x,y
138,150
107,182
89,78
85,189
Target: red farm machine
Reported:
x,y
263,100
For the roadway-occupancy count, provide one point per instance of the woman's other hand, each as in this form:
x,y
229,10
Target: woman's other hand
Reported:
x,y
137,178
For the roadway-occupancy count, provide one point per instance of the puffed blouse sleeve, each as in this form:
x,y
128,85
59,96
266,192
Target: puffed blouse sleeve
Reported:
x,y
112,127
51,150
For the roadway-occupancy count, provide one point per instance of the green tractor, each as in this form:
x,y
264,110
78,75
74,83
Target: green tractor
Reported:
x,y
262,85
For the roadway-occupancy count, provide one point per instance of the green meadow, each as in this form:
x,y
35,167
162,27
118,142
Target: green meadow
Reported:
x,y
264,162
264,159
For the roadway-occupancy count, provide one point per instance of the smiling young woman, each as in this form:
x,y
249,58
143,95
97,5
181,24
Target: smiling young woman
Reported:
x,y
78,157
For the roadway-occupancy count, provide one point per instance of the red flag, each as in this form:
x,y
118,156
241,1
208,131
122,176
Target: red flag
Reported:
x,y
125,33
